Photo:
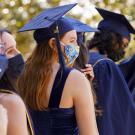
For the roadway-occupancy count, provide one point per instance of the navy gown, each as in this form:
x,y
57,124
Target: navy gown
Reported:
x,y
113,97
127,67
55,120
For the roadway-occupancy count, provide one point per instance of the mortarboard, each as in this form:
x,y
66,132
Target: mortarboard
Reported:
x,y
46,18
115,22
47,21
79,26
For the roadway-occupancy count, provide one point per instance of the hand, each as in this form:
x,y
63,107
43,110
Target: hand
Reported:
x,y
3,120
88,71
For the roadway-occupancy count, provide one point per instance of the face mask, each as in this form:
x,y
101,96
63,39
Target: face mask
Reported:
x,y
71,52
16,64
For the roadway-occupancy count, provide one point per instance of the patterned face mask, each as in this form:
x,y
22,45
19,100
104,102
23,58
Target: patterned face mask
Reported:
x,y
71,52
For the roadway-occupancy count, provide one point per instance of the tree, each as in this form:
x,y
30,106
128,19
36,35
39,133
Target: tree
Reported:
x,y
16,13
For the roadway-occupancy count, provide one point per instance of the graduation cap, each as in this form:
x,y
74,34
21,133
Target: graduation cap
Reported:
x,y
46,22
46,18
115,22
79,26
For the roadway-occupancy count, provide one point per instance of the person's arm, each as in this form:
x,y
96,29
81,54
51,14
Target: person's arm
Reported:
x,y
3,120
84,105
17,123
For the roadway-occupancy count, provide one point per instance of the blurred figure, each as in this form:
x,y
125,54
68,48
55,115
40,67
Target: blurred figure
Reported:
x,y
14,61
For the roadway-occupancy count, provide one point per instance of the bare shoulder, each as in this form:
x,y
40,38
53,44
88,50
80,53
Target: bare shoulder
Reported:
x,y
12,102
77,77
77,82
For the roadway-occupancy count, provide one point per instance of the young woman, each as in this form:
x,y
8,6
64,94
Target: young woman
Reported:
x,y
60,102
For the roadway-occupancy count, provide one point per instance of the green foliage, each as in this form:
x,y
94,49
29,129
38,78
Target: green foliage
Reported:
x,y
15,13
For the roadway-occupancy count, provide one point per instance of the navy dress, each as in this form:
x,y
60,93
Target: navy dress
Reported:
x,y
113,96
55,120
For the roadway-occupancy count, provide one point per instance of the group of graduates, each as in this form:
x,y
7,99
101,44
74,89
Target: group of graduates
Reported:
x,y
69,86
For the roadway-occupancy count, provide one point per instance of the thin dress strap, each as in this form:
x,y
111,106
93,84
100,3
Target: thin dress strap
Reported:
x,y
58,87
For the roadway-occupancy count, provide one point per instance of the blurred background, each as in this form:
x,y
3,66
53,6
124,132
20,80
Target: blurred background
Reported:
x,y
15,13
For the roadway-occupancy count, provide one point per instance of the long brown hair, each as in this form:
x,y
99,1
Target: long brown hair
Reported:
x,y
37,73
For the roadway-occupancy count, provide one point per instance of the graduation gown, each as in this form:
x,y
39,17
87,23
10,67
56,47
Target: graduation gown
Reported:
x,y
128,70
127,67
113,96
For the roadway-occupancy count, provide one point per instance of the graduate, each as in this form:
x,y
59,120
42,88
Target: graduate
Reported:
x,y
56,95
112,92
